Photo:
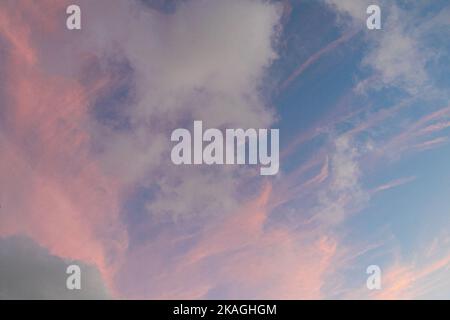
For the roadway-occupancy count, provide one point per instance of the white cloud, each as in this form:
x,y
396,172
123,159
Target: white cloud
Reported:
x,y
206,61
344,194
350,9
397,53
399,57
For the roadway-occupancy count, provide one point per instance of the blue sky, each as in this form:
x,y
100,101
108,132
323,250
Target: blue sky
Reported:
x,y
413,214
364,118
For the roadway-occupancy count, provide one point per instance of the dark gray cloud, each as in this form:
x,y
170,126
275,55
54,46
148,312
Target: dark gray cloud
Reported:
x,y
28,271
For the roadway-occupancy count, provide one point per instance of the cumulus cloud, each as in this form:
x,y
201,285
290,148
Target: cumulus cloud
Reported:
x,y
206,60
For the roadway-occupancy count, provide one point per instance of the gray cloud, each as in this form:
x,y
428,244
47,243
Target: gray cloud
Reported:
x,y
28,271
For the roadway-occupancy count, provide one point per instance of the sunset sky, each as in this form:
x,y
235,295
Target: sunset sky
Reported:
x,y
85,170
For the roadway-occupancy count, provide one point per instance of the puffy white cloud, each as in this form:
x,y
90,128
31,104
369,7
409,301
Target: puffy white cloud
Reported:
x,y
205,61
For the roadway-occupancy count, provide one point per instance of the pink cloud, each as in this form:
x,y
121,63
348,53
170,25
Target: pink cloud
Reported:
x,y
53,190
238,253
408,281
393,184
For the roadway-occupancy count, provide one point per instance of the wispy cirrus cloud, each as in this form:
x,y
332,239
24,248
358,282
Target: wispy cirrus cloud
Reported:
x,y
86,146
238,256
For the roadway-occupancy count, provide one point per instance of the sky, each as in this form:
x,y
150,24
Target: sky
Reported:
x,y
86,176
